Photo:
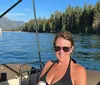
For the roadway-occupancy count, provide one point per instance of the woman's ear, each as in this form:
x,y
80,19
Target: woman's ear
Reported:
x,y
72,49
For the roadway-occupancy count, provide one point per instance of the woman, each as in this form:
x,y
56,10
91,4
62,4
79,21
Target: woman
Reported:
x,y
64,71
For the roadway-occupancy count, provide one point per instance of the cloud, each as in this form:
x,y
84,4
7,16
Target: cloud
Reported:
x,y
15,14
29,10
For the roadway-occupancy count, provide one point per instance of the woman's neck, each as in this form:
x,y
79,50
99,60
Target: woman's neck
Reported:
x,y
65,62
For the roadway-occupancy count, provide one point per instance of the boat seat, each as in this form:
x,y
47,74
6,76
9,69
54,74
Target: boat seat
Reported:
x,y
93,77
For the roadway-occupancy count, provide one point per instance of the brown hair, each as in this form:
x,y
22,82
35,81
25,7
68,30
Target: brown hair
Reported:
x,y
64,34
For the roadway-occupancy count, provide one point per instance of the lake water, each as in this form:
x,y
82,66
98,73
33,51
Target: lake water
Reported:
x,y
21,47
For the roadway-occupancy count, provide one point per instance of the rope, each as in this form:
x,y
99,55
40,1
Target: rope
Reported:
x,y
36,26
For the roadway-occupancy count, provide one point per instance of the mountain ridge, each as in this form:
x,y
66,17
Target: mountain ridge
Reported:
x,y
7,24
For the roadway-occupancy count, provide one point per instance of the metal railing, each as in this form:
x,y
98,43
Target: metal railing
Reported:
x,y
29,72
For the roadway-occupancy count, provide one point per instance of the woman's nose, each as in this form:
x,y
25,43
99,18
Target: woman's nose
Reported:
x,y
61,51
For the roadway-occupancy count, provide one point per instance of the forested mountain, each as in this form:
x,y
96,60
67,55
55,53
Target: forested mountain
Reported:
x,y
7,24
75,19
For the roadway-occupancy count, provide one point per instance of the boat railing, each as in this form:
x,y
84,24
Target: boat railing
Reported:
x,y
29,72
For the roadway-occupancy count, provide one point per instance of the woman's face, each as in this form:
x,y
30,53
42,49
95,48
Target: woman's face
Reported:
x,y
63,48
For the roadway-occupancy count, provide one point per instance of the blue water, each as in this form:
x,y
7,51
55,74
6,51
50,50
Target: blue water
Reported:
x,y
21,47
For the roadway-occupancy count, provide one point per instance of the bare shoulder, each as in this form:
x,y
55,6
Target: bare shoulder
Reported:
x,y
80,75
80,69
49,63
46,67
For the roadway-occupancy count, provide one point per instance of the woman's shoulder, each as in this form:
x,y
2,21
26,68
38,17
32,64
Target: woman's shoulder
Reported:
x,y
47,65
77,67
50,62
79,70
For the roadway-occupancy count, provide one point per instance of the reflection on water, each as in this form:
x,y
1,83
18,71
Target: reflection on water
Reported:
x,y
21,47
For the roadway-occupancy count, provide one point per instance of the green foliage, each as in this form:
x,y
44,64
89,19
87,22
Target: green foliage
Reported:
x,y
96,18
76,20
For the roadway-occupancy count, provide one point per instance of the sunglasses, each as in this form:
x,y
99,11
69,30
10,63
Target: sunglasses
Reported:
x,y
65,49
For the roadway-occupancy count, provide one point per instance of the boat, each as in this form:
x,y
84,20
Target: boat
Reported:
x,y
25,74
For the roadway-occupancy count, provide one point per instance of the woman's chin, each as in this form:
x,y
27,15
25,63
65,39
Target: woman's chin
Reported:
x,y
61,58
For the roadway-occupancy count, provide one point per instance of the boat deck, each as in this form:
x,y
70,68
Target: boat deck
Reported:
x,y
13,74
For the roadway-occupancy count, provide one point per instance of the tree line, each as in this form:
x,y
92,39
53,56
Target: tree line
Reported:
x,y
75,19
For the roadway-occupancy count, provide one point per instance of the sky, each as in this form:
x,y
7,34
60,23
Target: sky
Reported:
x,y
24,10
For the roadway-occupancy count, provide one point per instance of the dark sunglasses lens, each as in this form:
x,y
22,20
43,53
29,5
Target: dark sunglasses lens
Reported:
x,y
66,49
57,48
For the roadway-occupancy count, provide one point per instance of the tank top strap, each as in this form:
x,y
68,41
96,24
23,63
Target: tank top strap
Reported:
x,y
68,70
50,66
43,78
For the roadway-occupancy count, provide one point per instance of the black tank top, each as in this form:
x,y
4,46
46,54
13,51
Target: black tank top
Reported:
x,y
65,80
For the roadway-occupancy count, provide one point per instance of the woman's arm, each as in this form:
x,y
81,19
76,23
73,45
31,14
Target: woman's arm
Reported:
x,y
81,78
